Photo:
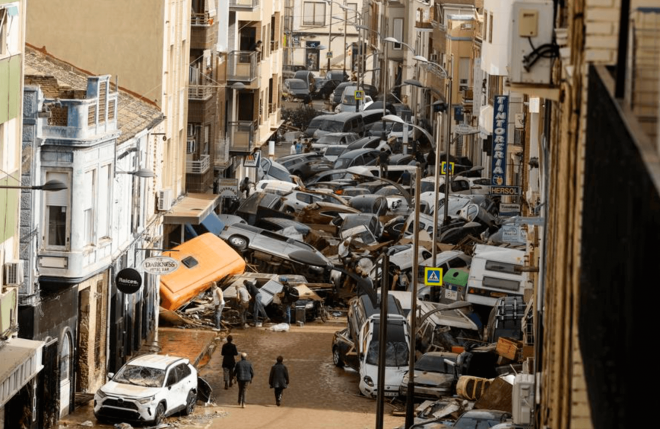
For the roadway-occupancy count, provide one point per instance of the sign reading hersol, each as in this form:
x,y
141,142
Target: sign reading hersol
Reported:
x,y
505,190
160,265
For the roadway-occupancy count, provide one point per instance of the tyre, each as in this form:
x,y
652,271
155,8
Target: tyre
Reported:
x,y
191,400
238,242
289,210
336,359
159,415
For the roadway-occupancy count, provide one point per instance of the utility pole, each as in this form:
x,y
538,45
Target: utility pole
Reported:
x,y
329,52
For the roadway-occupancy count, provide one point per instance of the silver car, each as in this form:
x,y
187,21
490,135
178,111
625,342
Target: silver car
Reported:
x,y
434,376
278,247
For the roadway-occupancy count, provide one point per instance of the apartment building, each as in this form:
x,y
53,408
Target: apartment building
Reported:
x,y
103,145
20,359
253,75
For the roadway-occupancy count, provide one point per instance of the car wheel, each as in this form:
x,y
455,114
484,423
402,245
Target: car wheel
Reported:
x,y
160,413
190,403
289,210
336,359
238,242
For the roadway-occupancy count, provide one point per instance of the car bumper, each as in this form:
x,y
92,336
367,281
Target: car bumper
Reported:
x,y
425,392
120,409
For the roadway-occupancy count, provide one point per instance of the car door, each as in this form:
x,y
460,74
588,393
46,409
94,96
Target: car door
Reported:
x,y
173,390
185,382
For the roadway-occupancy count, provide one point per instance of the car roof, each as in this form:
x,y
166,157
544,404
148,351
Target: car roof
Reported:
x,y
156,361
295,80
356,152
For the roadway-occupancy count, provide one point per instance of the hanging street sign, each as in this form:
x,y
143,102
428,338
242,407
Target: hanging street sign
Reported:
x,y
128,280
500,133
160,265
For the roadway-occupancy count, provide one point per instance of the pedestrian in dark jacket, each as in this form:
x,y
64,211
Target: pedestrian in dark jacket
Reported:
x,y
258,307
279,379
244,376
228,363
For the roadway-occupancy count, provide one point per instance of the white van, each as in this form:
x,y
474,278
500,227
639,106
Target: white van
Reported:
x,y
494,273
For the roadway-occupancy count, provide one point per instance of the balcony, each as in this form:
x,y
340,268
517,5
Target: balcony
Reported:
x,y
221,153
242,66
8,311
274,45
203,31
243,5
242,136
200,92
200,166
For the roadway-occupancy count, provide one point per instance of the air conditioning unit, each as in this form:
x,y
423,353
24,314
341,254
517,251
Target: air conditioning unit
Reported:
x,y
522,399
14,273
190,146
164,200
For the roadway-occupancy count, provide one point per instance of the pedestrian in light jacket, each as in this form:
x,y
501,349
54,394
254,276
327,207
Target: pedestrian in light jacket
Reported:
x,y
244,376
279,379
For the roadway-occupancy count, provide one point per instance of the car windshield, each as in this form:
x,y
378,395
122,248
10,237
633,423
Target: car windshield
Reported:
x,y
472,423
348,99
297,84
335,150
342,163
377,127
434,363
396,348
329,139
388,191
140,376
331,126
427,187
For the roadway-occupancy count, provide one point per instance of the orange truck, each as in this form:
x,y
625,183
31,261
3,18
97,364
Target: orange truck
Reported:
x,y
203,260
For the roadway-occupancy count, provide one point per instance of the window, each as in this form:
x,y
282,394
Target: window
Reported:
x,y
57,203
463,73
485,24
3,31
496,283
89,188
351,14
490,29
503,267
398,32
314,13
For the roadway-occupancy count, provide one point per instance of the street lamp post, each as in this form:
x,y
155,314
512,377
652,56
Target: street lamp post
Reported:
x,y
51,185
329,36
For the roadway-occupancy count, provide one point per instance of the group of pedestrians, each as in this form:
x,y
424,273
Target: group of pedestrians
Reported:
x,y
243,372
246,293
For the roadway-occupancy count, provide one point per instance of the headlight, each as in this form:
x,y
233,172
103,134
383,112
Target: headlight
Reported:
x,y
101,394
316,268
368,380
146,400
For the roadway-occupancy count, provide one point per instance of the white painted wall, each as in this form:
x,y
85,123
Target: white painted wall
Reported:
x,y
494,54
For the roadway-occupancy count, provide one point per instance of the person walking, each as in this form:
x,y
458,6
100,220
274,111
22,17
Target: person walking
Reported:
x,y
228,362
244,376
299,145
293,150
243,303
257,307
218,304
383,161
245,186
288,298
279,379
430,162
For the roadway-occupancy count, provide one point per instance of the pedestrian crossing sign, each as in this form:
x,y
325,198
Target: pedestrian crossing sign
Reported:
x,y
444,168
432,276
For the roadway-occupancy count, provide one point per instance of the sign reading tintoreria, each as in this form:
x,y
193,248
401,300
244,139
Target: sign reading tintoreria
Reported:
x,y
500,131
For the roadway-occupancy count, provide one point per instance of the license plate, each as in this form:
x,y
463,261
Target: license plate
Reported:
x,y
391,393
451,294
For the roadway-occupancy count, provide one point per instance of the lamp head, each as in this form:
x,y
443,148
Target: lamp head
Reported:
x,y
420,58
391,39
52,185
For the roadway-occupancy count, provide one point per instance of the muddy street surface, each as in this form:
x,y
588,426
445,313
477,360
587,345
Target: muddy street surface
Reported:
x,y
320,395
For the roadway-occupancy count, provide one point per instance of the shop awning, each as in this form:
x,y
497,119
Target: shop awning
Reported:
x,y
20,361
192,209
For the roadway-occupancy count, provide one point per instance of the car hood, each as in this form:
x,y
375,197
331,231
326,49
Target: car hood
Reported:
x,y
129,390
431,379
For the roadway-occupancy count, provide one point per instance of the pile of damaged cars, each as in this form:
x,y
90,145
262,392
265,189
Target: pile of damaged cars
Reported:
x,y
324,225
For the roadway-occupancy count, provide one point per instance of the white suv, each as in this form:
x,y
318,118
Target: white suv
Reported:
x,y
147,389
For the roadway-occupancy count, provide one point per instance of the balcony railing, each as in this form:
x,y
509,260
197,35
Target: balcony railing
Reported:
x,y
242,136
199,167
202,18
200,92
242,66
274,45
243,4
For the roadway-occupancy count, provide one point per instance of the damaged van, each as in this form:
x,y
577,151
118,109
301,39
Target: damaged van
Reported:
x,y
203,260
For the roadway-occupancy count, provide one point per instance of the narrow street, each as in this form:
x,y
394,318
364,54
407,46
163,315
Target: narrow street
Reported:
x,y
320,395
